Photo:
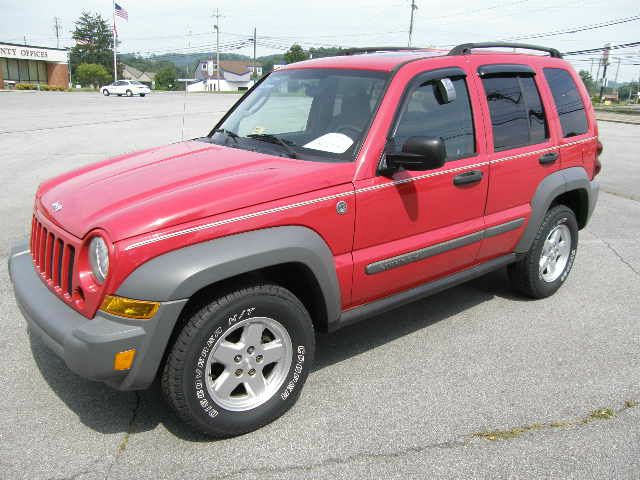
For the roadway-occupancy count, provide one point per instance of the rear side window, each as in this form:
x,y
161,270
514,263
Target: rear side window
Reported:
x,y
426,114
571,111
517,115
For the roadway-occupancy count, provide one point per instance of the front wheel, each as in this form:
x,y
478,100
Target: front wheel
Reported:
x,y
240,361
129,93
548,262
142,94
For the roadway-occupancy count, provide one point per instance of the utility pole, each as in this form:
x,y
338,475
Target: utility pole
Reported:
x,y
115,42
57,27
414,7
617,70
217,27
255,67
605,64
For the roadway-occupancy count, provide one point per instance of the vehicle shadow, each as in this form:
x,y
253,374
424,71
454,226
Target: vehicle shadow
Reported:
x,y
108,411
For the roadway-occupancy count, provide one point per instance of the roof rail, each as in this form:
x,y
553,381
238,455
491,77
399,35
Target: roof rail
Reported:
x,y
466,48
356,51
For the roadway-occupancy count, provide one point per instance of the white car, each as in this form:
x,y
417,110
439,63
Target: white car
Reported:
x,y
125,87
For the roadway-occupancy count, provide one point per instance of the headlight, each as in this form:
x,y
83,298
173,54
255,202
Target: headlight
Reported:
x,y
99,258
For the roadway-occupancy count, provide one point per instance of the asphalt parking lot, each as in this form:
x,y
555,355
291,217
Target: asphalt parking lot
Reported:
x,y
475,382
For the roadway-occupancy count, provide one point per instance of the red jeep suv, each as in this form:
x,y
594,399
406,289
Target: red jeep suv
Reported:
x,y
335,189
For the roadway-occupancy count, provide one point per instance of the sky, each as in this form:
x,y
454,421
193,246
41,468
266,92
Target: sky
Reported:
x,y
163,26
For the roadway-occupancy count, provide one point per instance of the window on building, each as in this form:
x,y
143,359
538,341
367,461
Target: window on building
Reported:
x,y
517,115
4,67
426,114
569,104
23,71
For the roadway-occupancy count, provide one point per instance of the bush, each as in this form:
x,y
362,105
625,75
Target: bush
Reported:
x,y
44,88
92,74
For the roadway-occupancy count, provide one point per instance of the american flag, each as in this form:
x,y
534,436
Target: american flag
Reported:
x,y
121,12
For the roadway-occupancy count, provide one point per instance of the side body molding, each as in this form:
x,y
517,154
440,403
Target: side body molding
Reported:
x,y
559,182
179,274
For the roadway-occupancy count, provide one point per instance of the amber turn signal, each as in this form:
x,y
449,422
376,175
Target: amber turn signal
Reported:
x,y
129,308
124,360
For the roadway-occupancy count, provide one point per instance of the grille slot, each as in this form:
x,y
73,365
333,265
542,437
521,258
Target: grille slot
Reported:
x,y
53,258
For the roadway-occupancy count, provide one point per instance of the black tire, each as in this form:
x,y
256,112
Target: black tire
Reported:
x,y
525,275
105,92
183,378
119,94
129,93
142,94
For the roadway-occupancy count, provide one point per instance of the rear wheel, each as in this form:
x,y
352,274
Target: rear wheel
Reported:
x,y
240,361
105,92
549,260
142,94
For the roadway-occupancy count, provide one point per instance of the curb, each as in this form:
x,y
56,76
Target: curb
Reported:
x,y
626,122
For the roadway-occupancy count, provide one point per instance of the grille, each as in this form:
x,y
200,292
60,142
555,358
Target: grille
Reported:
x,y
53,258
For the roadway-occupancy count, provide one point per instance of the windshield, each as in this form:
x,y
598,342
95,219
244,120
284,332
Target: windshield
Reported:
x,y
312,114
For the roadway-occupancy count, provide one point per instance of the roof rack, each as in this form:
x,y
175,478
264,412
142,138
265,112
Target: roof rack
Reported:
x,y
466,48
356,51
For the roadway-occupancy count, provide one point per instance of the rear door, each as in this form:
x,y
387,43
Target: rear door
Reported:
x,y
414,226
523,150
577,136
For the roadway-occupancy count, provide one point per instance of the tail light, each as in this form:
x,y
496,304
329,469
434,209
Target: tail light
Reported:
x,y
598,166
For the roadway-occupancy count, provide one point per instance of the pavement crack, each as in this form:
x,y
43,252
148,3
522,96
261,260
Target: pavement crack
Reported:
x,y
467,440
84,471
122,446
615,252
335,461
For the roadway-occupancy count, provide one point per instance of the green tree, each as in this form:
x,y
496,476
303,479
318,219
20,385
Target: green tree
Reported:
x,y
92,74
295,54
587,79
94,42
166,78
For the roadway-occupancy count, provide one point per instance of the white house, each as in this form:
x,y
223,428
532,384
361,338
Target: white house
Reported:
x,y
233,75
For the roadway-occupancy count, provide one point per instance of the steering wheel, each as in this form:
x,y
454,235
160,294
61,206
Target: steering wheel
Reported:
x,y
345,129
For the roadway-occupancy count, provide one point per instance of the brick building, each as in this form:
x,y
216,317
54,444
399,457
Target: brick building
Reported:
x,y
33,65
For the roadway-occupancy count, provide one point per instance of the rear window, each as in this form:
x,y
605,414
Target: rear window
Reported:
x,y
571,111
517,115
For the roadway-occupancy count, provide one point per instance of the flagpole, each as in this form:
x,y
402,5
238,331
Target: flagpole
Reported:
x,y
115,42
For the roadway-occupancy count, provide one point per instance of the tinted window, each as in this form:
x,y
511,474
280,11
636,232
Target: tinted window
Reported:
x,y
517,116
427,115
573,117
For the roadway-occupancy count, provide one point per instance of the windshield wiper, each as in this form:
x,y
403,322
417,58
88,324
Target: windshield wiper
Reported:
x,y
267,137
228,133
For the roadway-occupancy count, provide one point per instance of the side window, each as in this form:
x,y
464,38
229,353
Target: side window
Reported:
x,y
517,115
426,114
569,104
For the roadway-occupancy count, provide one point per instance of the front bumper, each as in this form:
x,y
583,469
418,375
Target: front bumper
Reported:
x,y
87,345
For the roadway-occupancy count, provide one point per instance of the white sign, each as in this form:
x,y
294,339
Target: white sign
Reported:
x,y
32,53
331,142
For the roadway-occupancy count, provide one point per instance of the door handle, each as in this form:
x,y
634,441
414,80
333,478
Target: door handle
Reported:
x,y
548,158
467,177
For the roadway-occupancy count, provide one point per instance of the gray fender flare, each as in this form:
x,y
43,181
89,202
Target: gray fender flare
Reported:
x,y
180,273
555,184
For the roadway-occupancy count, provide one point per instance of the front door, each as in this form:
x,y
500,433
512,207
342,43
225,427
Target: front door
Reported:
x,y
415,226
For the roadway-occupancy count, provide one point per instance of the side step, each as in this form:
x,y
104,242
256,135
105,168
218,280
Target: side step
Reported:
x,y
356,314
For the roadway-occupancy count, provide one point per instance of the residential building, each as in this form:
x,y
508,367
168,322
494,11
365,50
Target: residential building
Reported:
x,y
233,75
132,73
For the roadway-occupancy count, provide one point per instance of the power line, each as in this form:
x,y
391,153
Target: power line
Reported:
x,y
612,47
582,28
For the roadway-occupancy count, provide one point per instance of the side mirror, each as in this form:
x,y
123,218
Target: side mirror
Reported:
x,y
418,153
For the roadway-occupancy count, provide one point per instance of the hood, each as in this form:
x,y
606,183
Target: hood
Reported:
x,y
161,187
